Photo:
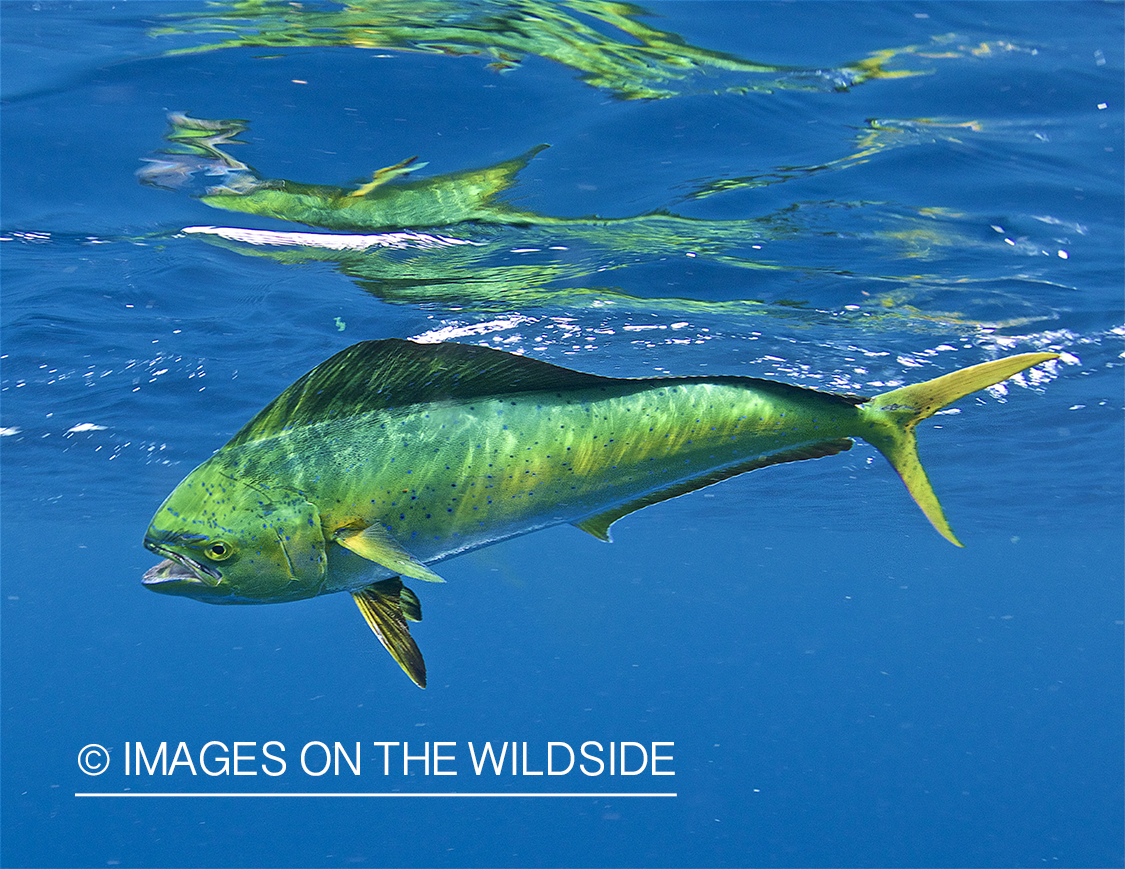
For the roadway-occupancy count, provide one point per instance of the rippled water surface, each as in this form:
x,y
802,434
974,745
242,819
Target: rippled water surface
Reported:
x,y
202,201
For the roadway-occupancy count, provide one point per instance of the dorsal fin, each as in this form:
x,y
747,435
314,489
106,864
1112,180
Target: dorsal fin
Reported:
x,y
376,375
598,525
393,373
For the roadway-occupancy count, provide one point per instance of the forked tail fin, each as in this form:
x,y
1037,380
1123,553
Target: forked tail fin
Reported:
x,y
893,416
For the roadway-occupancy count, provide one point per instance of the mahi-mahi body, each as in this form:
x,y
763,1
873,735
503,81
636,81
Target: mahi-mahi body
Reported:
x,y
392,456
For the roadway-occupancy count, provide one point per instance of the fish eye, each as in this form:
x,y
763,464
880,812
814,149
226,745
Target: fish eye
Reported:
x,y
219,550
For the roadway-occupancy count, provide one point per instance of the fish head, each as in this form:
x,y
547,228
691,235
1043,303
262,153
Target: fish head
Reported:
x,y
229,540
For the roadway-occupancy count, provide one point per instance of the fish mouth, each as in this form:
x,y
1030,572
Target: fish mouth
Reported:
x,y
178,573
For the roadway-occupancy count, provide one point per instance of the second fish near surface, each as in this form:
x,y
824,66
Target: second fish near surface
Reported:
x,y
392,456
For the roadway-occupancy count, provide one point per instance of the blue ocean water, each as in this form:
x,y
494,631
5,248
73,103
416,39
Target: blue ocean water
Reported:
x,y
846,196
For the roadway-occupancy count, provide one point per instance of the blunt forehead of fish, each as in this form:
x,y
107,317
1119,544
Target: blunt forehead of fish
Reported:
x,y
207,482
210,493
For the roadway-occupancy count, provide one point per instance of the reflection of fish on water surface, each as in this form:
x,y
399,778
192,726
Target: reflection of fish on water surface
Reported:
x,y
394,200
394,235
394,210
602,40
391,200
387,201
392,456
452,239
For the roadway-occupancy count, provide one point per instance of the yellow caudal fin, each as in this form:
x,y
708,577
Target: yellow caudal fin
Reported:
x,y
893,416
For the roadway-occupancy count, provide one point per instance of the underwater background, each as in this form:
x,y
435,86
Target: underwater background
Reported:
x,y
846,196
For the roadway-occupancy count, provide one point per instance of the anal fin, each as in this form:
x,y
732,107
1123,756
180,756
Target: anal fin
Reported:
x,y
598,524
375,543
386,606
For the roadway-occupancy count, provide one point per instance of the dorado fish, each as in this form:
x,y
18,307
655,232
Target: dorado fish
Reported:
x,y
393,456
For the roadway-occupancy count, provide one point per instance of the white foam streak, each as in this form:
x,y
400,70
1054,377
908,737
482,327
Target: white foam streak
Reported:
x,y
329,241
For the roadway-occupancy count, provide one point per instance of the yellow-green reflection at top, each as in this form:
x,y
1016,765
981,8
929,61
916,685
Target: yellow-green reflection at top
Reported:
x,y
606,43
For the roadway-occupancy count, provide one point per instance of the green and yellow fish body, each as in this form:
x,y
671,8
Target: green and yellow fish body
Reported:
x,y
392,456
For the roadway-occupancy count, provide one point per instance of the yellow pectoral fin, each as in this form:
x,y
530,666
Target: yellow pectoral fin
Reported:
x,y
376,544
386,606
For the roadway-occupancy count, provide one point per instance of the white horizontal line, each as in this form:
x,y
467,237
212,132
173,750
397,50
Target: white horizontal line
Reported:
x,y
370,795
330,241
